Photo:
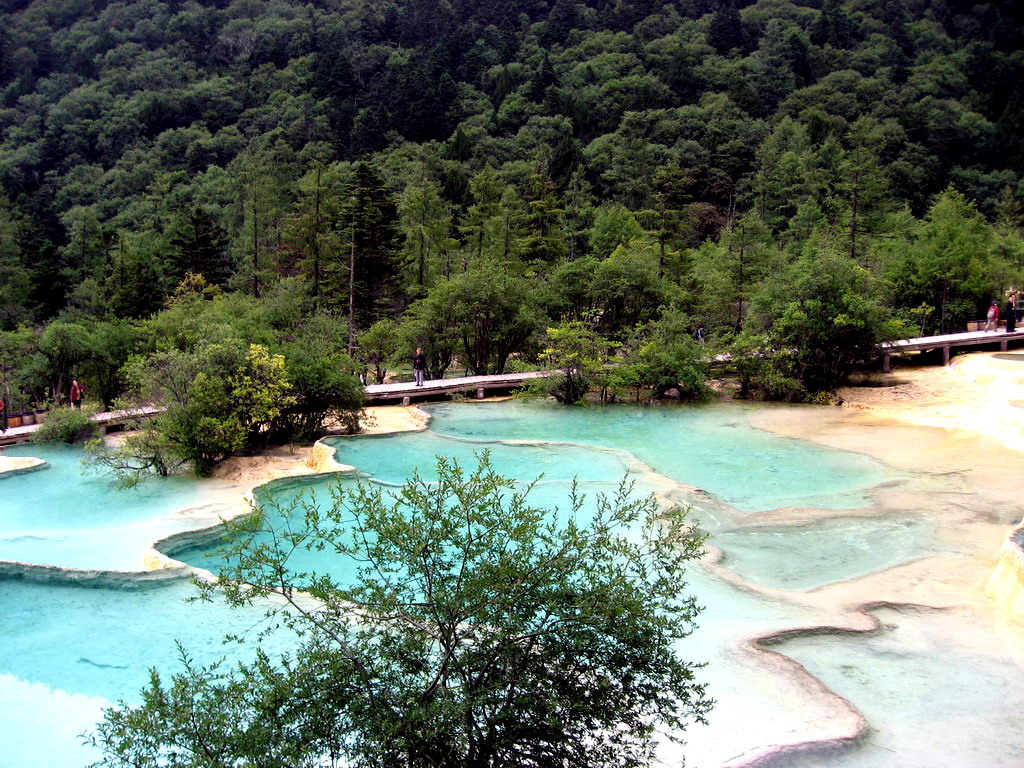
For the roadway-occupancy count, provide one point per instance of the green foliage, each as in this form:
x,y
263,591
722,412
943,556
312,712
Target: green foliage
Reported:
x,y
201,247
63,345
378,346
950,263
214,402
322,383
480,630
66,425
20,370
365,272
112,343
668,358
491,315
404,165
15,286
823,316
581,357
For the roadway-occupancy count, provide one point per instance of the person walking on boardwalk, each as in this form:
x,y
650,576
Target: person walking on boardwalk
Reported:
x,y
3,416
992,318
77,393
1011,313
419,366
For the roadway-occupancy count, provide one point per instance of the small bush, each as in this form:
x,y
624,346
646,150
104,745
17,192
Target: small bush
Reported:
x,y
66,425
775,385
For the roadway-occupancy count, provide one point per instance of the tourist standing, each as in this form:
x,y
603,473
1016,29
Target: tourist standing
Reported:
x,y
419,366
3,416
992,318
77,393
1011,313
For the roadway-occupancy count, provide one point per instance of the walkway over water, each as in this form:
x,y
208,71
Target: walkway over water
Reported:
x,y
402,391
106,420
946,342
478,385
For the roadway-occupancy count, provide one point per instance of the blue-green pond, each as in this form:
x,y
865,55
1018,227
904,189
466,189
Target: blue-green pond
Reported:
x,y
786,518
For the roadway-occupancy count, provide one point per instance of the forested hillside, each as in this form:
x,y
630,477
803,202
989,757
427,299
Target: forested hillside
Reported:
x,y
465,174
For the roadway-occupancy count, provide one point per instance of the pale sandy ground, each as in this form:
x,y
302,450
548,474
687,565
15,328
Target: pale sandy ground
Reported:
x,y
14,463
289,461
961,426
960,431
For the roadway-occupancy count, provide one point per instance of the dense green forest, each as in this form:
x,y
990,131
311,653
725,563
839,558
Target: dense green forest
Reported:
x,y
497,181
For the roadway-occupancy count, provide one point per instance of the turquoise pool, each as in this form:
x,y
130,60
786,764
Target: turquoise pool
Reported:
x,y
68,650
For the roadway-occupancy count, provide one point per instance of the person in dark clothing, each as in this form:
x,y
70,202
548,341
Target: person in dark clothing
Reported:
x,y
419,366
1011,313
3,416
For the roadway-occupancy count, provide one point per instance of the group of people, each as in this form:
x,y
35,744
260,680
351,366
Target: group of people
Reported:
x,y
992,317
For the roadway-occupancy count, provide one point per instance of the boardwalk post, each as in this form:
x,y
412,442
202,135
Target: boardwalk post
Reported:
x,y
405,400
945,355
479,393
886,367
1002,345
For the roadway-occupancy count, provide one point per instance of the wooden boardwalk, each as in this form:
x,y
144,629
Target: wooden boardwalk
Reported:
x,y
106,420
478,386
947,342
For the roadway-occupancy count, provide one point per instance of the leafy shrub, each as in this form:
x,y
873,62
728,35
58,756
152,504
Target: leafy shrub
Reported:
x,y
66,425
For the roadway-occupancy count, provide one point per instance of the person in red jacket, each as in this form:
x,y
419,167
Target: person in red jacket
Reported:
x,y
77,393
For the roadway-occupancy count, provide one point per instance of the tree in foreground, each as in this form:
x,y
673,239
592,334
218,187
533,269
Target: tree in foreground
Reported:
x,y
479,630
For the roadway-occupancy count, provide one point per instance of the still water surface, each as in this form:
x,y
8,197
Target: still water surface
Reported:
x,y
67,650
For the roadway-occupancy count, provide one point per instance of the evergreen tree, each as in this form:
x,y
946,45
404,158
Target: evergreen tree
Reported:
x,y
579,215
264,197
542,240
364,274
201,247
425,223
864,186
135,287
834,26
314,226
670,217
478,226
15,285
725,31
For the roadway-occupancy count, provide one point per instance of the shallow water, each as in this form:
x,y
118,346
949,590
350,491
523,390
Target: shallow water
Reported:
x,y
944,701
61,515
815,554
58,666
66,651
710,447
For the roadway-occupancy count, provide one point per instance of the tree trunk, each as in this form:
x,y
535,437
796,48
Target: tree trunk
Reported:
x,y
352,291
